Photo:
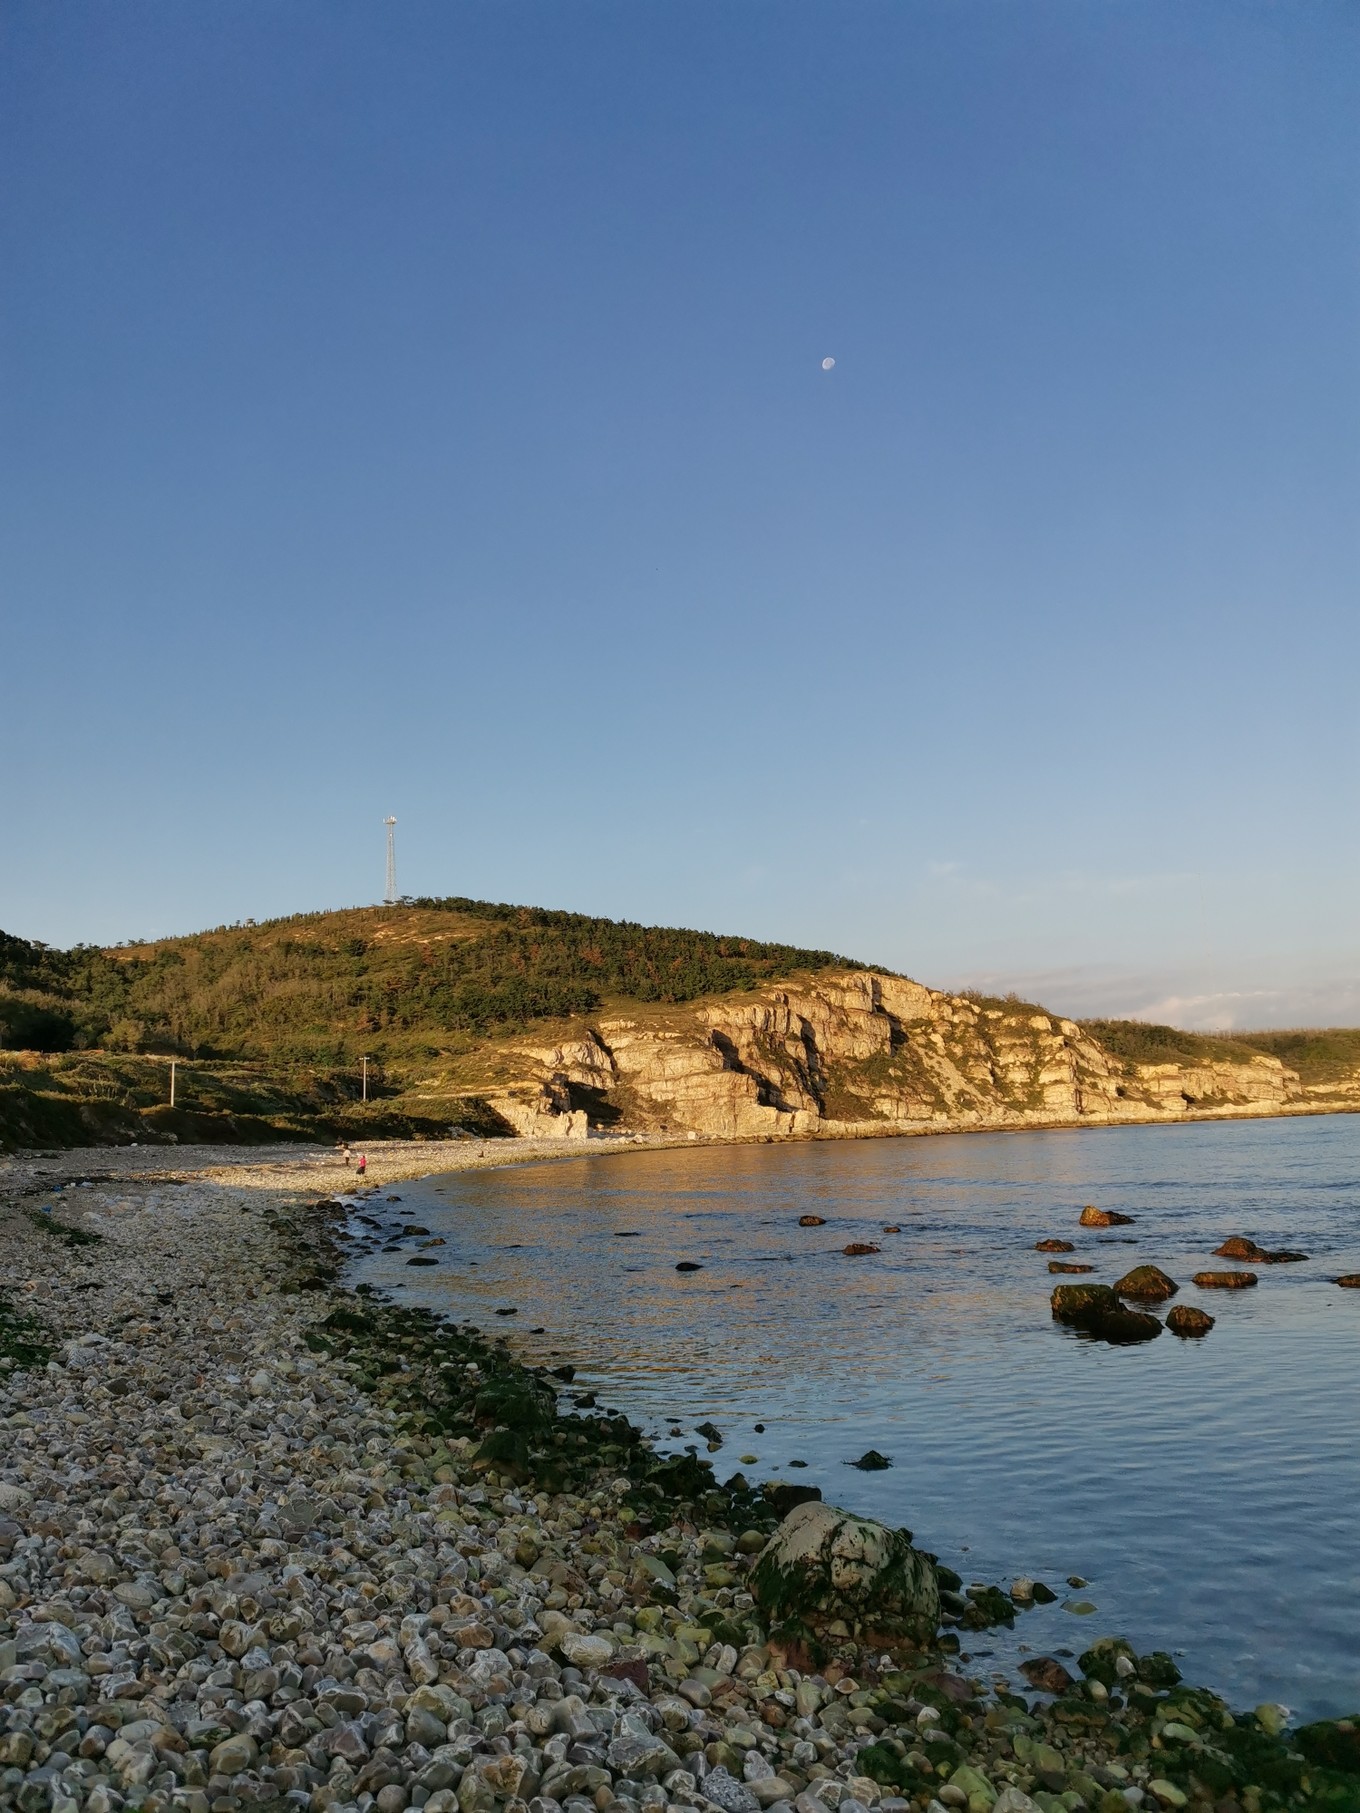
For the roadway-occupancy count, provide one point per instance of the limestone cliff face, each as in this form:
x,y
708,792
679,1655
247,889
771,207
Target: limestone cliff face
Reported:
x,y
855,1052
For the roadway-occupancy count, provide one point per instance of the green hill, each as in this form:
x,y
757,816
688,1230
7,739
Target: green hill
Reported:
x,y
273,1017
324,987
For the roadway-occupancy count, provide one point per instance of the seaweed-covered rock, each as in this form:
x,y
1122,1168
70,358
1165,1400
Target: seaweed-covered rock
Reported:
x,y
1082,1305
1148,1283
1066,1265
1054,1246
1349,1281
1158,1670
824,1564
1225,1281
508,1451
1335,1743
515,1403
1101,1661
986,1606
1096,1309
1188,1322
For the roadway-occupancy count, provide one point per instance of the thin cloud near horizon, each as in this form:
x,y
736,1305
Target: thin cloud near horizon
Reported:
x,y
1194,1005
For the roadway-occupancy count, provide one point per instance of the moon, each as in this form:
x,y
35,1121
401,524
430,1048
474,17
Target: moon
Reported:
x,y
827,364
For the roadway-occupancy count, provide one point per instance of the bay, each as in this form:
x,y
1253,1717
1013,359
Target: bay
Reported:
x,y
1208,1492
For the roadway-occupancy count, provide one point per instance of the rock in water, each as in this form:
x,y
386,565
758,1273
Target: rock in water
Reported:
x,y
1147,1282
871,1461
1092,1217
1240,1247
1348,1281
812,1221
1225,1281
1097,1309
1245,1249
1185,1319
1082,1305
1128,1326
1065,1265
1054,1246
857,1249
823,1564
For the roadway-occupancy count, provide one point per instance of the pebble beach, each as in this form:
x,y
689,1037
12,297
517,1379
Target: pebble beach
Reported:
x,y
239,1568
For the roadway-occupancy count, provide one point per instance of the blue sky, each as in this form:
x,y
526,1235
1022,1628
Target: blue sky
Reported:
x,y
419,409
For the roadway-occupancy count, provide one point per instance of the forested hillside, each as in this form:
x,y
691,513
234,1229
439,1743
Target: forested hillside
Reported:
x,y
388,981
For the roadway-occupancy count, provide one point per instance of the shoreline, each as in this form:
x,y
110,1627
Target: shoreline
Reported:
x,y
239,1567
470,1151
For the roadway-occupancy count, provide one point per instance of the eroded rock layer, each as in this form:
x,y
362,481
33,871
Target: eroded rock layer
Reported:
x,y
855,1051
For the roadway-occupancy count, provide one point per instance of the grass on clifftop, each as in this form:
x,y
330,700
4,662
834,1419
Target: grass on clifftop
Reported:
x,y
1320,1055
1144,1042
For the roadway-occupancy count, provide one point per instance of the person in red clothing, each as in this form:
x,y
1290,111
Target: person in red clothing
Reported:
x,y
362,1165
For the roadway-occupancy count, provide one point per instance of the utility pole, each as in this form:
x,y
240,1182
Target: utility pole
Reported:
x,y
390,898
172,1082
364,1062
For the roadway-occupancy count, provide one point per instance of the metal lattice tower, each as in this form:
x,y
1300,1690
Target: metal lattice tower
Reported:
x,y
390,898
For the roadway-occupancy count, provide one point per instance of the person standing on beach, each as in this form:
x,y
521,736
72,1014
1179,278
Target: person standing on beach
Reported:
x,y
362,1165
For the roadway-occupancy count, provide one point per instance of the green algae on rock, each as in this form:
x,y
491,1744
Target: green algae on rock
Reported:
x,y
1097,1310
1080,1305
828,1571
25,1342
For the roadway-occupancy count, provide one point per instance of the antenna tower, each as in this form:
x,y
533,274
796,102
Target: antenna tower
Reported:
x,y
390,898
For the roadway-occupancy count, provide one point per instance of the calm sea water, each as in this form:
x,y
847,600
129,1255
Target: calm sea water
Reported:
x,y
1208,1492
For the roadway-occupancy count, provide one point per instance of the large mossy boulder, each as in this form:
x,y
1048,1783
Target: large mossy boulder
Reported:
x,y
825,1567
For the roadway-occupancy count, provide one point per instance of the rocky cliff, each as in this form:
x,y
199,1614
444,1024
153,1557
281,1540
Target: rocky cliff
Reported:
x,y
855,1052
